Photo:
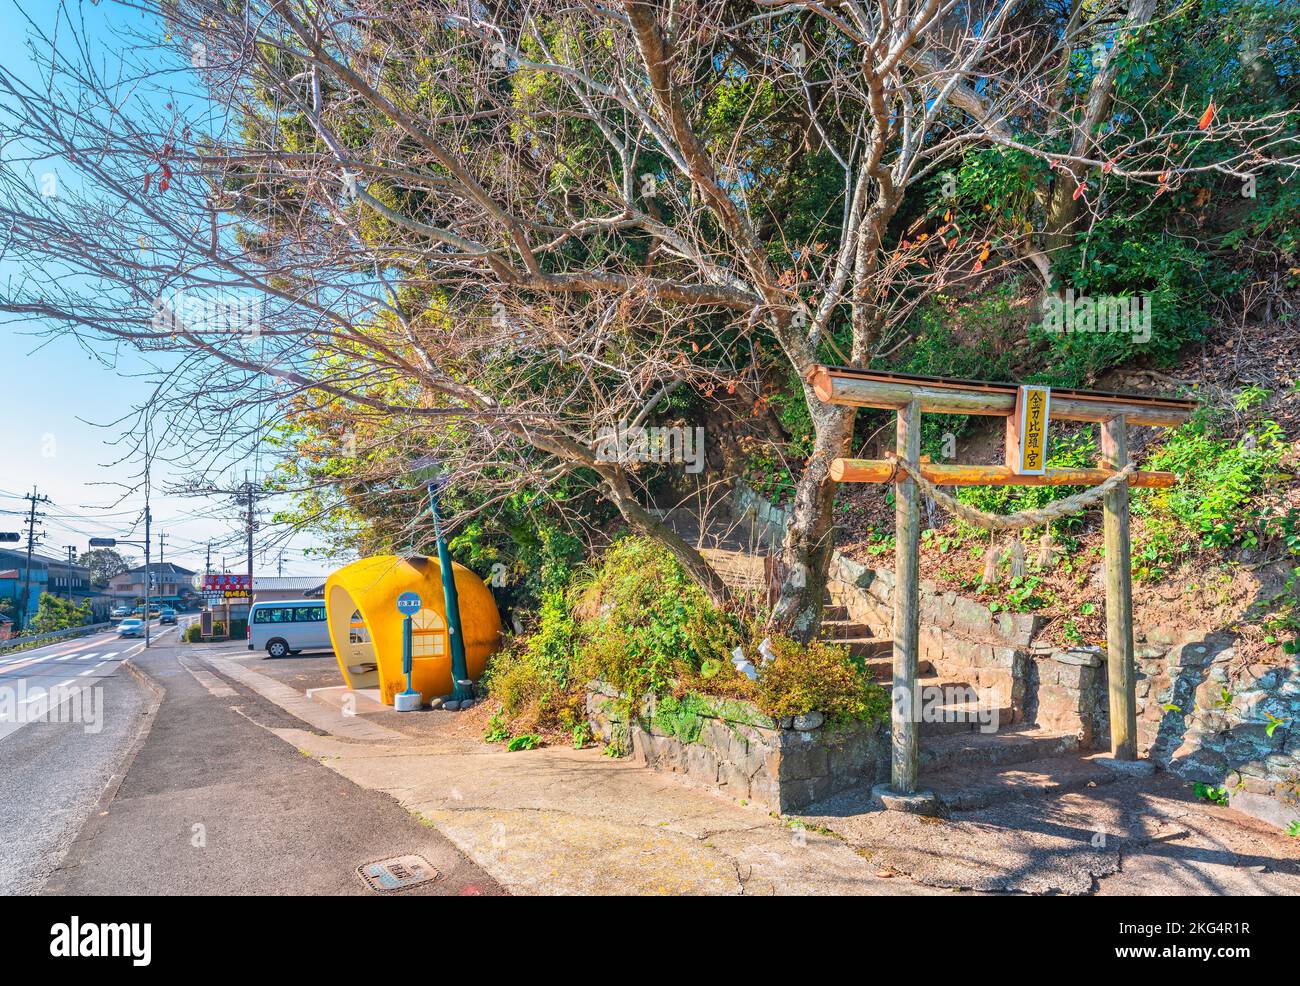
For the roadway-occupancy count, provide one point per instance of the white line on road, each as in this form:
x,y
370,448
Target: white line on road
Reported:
x,y
92,670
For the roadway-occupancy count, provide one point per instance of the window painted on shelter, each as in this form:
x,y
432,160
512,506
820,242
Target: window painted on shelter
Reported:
x,y
428,634
357,632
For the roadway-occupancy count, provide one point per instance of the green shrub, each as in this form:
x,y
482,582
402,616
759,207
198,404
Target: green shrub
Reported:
x,y
818,677
638,622
1217,479
193,633
643,622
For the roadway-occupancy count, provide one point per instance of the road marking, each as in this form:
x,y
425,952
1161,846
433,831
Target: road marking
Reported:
x,y
92,670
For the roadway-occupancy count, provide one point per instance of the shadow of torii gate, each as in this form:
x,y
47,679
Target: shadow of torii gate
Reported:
x,y
1028,411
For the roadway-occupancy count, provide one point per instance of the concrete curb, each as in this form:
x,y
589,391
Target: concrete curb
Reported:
x,y
79,848
300,707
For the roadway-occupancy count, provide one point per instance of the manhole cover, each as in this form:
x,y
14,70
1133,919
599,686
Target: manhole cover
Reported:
x,y
398,873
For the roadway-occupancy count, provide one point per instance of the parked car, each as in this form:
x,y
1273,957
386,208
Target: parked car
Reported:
x,y
288,626
132,626
167,615
119,613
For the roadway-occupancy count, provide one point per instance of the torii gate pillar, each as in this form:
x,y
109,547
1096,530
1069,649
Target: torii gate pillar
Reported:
x,y
1120,673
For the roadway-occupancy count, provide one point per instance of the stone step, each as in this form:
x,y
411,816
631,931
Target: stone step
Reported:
x,y
966,717
968,787
881,670
871,647
1017,744
843,630
834,613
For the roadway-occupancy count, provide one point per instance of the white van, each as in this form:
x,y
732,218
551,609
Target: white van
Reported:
x,y
288,626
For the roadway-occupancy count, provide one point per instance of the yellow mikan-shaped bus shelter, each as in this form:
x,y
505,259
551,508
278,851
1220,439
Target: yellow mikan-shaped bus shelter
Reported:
x,y
366,628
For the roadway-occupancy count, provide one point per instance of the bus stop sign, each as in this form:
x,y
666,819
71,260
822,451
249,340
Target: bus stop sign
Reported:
x,y
408,603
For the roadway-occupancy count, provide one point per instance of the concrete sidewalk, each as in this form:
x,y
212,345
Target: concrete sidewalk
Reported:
x,y
563,821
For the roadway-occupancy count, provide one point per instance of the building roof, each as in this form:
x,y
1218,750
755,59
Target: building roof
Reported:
x,y
286,583
53,562
158,568
20,555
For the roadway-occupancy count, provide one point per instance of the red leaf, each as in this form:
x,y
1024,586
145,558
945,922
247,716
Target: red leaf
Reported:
x,y
1078,190
163,184
147,179
1207,117
1106,168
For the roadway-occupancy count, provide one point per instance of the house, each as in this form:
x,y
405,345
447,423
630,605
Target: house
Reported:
x,y
167,583
13,575
72,582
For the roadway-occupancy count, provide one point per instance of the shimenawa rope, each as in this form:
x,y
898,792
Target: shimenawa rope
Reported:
x,y
1018,521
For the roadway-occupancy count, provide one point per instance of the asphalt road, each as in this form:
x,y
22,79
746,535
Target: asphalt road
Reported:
x,y
59,753
214,802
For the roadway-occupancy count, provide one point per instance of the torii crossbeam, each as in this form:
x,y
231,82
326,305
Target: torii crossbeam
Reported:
x,y
1028,411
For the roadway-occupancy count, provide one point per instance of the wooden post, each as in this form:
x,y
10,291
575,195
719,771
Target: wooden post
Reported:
x,y
907,631
1119,597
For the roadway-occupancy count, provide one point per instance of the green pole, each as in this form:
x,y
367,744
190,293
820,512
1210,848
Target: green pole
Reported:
x,y
406,650
459,669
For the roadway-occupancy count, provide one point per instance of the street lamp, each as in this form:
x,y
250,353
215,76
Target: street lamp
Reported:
x,y
148,575
427,470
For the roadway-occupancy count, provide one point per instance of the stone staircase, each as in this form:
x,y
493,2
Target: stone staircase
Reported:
x,y
967,767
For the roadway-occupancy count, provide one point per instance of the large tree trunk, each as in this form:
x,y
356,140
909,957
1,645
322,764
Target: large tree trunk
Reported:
x,y
1063,207
810,540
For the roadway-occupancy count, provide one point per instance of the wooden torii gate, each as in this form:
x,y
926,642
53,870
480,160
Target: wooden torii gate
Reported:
x,y
1028,410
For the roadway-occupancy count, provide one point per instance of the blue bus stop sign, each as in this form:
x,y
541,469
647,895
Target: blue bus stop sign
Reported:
x,y
408,603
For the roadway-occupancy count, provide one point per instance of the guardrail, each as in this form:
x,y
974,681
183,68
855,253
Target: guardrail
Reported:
x,y
13,643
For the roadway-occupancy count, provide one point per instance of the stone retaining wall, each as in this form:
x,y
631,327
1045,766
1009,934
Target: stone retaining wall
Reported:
x,y
1209,737
1204,714
740,752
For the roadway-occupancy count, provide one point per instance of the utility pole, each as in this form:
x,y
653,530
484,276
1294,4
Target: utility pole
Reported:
x,y
247,493
33,498
279,564
248,487
148,578
72,560
207,562
162,547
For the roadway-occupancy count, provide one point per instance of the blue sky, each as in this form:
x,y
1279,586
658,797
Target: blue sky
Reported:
x,y
58,402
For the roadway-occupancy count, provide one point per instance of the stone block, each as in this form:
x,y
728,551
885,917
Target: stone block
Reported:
x,y
1265,808
1206,766
1087,656
1193,654
803,760
700,762
971,616
734,780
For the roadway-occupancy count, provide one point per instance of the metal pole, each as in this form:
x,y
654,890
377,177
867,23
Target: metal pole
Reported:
x,y
459,668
